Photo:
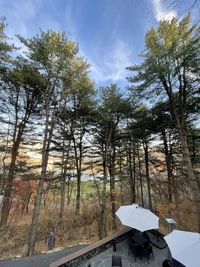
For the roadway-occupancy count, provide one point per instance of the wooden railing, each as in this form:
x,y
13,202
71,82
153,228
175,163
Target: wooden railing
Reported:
x,y
90,251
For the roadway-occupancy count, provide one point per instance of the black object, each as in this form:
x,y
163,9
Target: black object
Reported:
x,y
114,245
140,251
147,251
177,263
51,240
116,261
145,235
134,249
139,239
166,263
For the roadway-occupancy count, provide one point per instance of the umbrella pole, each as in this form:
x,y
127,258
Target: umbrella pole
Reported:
x,y
114,245
170,257
157,235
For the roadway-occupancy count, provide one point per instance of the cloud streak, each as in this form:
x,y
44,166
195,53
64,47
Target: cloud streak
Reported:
x,y
112,65
19,13
161,12
103,36
107,54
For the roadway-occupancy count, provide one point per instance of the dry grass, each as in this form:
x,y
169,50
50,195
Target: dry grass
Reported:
x,y
185,218
13,240
74,229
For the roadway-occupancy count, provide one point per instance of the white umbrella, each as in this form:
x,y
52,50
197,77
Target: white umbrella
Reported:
x,y
184,247
137,217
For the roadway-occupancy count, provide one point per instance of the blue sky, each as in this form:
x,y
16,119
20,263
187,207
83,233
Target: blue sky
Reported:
x,y
110,33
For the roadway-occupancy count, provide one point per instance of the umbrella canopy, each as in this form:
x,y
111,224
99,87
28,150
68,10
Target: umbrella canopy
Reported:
x,y
184,247
137,217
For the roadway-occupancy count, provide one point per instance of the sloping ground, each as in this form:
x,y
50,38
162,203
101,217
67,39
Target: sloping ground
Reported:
x,y
42,260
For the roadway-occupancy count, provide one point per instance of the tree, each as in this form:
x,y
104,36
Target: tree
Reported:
x,y
82,113
171,69
5,59
141,129
5,48
164,125
61,143
73,122
113,108
21,92
52,54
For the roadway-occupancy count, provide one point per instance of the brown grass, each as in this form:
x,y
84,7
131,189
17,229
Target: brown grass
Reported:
x,y
70,232
74,229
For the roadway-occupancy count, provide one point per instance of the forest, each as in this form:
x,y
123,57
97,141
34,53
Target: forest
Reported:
x,y
72,153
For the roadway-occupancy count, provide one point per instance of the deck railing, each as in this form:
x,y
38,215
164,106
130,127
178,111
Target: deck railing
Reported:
x,y
83,255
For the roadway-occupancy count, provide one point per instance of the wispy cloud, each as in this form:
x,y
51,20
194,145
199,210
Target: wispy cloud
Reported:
x,y
70,13
161,11
112,65
107,55
19,13
101,41
26,18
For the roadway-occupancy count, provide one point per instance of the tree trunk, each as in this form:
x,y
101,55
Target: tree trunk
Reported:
x,y
112,188
62,195
176,198
78,159
121,178
37,205
146,153
4,162
141,182
63,177
102,230
131,174
190,171
168,164
78,193
7,195
35,218
69,190
194,148
180,117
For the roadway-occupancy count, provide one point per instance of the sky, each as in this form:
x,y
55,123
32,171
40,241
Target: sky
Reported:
x,y
110,33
